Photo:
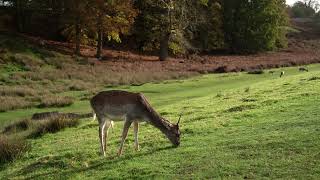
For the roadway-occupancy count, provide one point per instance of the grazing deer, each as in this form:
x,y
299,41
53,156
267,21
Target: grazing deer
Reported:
x,y
303,69
281,74
132,108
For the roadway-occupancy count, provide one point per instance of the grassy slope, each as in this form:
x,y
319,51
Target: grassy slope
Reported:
x,y
276,135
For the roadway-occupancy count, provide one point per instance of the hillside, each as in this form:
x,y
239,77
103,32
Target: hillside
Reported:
x,y
61,79
234,126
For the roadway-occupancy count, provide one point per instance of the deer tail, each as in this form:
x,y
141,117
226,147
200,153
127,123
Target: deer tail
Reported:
x,y
94,115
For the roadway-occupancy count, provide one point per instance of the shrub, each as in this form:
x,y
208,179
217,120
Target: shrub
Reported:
x,y
53,126
247,89
18,126
55,101
257,71
314,78
12,148
241,108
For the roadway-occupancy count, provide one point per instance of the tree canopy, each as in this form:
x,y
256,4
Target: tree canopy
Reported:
x,y
159,26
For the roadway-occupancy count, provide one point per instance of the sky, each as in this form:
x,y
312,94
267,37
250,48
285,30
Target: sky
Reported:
x,y
291,2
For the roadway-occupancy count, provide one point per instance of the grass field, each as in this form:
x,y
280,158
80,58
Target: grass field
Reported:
x,y
234,126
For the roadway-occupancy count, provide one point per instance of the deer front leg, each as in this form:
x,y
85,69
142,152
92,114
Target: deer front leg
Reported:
x,y
136,130
126,127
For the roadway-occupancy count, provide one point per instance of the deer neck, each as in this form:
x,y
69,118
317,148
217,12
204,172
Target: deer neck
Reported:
x,y
156,120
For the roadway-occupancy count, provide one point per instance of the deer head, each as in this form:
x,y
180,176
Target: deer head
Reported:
x,y
174,133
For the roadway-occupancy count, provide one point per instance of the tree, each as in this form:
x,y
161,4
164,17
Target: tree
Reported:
x,y
19,7
78,17
252,26
113,18
204,25
314,4
304,9
179,27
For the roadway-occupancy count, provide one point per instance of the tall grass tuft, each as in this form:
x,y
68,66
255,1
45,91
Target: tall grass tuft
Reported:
x,y
12,148
8,103
21,91
55,101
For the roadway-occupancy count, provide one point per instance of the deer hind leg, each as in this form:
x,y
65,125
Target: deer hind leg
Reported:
x,y
108,124
126,127
136,130
102,123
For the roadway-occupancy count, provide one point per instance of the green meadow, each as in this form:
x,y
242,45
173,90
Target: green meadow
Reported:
x,y
233,126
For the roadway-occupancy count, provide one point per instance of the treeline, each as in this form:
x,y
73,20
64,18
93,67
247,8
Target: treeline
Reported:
x,y
305,9
163,26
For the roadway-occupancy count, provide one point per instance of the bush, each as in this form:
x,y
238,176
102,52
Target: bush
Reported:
x,y
12,148
55,101
53,126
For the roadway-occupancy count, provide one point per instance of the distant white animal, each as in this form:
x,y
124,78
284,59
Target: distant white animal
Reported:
x,y
281,74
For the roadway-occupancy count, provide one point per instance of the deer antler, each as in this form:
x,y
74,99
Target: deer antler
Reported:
x,y
179,119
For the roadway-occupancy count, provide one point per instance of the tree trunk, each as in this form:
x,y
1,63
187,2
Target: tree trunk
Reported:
x,y
164,47
78,38
100,37
19,16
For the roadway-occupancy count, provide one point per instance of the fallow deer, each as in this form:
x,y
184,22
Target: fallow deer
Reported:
x,y
132,108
